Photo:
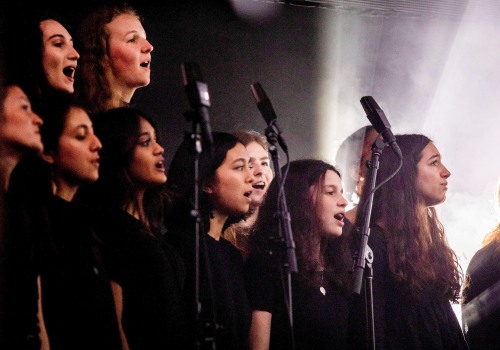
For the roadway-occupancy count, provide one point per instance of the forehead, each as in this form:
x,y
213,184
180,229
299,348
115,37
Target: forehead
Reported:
x,y
125,23
332,179
237,152
429,151
77,116
145,125
50,27
255,150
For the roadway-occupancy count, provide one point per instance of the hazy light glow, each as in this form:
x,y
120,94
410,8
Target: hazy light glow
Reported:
x,y
439,77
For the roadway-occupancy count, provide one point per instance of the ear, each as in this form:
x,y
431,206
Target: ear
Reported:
x,y
49,158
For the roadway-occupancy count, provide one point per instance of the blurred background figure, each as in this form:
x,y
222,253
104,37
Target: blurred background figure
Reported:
x,y
351,158
19,137
481,292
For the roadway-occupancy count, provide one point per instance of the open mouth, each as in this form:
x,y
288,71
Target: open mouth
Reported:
x,y
145,64
69,72
339,216
159,165
247,194
259,185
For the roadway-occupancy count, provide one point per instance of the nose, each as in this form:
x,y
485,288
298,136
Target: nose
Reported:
x,y
257,169
37,120
147,47
96,144
342,202
250,178
158,149
446,173
73,54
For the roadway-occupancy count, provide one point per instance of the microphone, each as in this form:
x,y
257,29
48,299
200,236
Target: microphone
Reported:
x,y
377,118
199,99
267,111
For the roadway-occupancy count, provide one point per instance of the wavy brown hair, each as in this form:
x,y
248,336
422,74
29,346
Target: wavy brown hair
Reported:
x,y
417,247
94,74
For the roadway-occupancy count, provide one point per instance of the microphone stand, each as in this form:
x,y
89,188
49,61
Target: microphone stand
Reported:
x,y
285,236
363,259
205,330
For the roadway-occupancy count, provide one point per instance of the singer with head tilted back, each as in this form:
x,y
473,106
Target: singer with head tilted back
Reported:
x,y
416,275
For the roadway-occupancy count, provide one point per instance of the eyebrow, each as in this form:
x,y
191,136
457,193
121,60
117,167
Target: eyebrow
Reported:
x,y
437,155
56,36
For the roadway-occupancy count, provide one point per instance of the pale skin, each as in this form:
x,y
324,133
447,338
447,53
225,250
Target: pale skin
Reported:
x,y
231,188
59,57
19,131
261,165
330,207
432,177
129,55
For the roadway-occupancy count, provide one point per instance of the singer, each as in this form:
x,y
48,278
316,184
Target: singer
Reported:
x,y
317,209
415,273
225,180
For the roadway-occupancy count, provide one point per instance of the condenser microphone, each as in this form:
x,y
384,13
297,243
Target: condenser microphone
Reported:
x,y
377,118
198,96
266,109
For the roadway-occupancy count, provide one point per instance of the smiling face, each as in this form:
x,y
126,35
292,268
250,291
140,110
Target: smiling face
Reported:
x,y
232,184
129,52
59,57
330,204
147,167
260,162
19,125
432,176
76,159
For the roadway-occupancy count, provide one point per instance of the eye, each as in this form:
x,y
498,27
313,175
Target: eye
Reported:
x,y
265,163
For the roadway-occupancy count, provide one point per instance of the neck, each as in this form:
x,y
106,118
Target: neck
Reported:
x,y
7,165
136,212
64,190
216,225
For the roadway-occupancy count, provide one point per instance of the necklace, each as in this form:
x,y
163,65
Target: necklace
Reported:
x,y
321,279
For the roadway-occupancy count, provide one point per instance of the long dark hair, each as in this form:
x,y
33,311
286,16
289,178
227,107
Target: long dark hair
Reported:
x,y
417,248
302,174
118,130
181,174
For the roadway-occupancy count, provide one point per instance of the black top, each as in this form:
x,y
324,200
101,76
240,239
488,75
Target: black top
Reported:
x,y
151,274
401,320
320,315
222,294
481,308
18,276
77,300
